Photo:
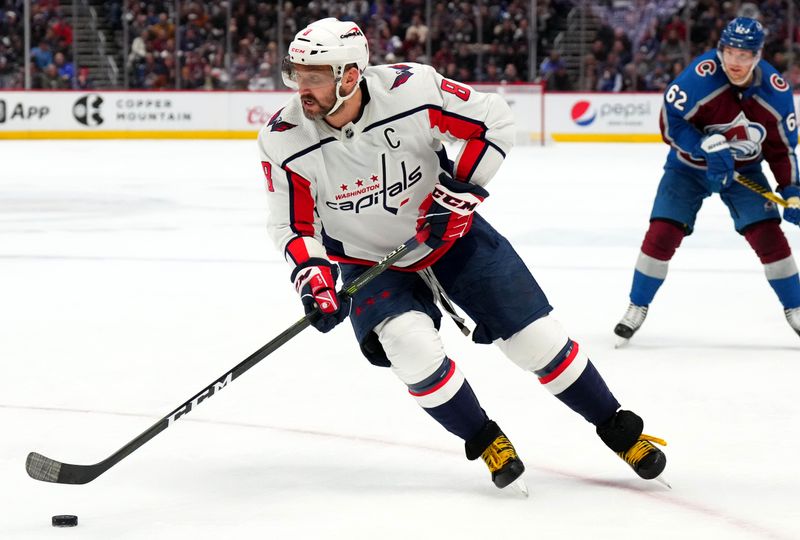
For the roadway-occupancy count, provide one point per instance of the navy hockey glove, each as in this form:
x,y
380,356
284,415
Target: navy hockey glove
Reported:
x,y
446,213
716,150
792,196
315,281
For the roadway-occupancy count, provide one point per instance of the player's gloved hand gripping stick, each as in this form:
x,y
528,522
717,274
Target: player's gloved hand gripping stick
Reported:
x,y
446,213
45,469
789,199
315,282
716,150
791,210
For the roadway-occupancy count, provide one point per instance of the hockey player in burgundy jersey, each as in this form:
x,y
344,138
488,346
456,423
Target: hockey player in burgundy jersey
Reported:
x,y
728,111
354,165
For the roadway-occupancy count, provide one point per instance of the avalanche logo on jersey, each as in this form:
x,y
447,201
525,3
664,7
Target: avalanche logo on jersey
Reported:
x,y
276,124
583,113
403,74
706,67
778,82
744,136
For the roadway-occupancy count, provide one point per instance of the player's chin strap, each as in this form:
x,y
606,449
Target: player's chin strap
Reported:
x,y
341,99
433,284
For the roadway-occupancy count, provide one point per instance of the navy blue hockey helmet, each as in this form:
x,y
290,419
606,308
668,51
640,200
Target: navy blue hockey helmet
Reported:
x,y
743,33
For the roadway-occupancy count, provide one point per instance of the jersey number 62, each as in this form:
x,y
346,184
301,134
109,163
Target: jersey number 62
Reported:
x,y
676,96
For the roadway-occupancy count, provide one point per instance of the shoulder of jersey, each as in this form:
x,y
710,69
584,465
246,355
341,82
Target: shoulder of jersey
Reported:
x,y
771,80
287,131
401,78
703,75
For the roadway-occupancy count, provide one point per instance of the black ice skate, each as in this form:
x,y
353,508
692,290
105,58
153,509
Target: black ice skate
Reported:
x,y
793,316
630,323
623,434
498,453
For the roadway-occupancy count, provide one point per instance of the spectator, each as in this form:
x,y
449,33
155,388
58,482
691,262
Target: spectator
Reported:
x,y
264,79
493,74
559,80
417,32
42,56
83,82
48,79
610,79
673,47
66,71
510,74
551,64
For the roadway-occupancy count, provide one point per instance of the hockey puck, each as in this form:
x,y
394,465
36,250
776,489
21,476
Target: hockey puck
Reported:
x,y
65,521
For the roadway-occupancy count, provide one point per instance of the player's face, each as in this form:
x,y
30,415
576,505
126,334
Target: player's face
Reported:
x,y
738,64
317,88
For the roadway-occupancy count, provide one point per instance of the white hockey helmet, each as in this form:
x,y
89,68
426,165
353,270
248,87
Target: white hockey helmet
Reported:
x,y
327,42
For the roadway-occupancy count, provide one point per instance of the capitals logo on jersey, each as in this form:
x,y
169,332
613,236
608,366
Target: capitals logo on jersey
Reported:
x,y
276,124
744,136
403,74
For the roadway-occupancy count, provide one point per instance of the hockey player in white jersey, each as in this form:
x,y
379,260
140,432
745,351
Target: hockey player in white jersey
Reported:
x,y
354,166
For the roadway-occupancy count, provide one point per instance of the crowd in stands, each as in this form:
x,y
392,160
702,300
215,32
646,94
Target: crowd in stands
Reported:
x,y
489,45
51,46
639,45
642,45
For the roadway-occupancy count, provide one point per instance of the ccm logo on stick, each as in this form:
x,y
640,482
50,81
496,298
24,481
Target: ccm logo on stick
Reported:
x,y
202,396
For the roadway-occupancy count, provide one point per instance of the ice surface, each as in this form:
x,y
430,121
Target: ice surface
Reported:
x,y
133,273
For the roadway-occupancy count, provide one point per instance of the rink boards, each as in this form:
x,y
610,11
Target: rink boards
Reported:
x,y
541,117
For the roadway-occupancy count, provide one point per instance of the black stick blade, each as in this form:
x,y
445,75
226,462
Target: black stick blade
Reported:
x,y
42,468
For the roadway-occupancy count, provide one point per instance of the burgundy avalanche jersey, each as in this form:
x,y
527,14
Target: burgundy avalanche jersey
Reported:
x,y
759,121
354,193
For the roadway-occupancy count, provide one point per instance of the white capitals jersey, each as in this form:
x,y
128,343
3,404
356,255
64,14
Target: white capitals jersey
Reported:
x,y
357,190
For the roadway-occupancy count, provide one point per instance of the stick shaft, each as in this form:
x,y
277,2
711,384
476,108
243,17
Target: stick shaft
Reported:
x,y
761,190
42,468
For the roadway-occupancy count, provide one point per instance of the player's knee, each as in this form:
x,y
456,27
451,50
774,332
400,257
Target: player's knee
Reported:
x,y
412,345
768,241
536,345
662,239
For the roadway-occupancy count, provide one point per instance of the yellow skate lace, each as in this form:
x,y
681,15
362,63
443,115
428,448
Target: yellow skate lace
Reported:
x,y
500,452
640,449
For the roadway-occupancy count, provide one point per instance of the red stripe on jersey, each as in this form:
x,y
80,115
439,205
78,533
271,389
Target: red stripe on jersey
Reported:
x,y
463,128
473,151
296,248
564,365
301,205
440,384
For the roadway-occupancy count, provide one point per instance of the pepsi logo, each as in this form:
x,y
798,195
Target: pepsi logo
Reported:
x,y
583,113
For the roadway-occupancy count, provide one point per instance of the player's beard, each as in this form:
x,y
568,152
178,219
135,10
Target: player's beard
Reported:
x,y
324,107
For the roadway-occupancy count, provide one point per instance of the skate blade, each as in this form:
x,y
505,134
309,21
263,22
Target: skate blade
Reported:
x,y
520,487
663,481
621,342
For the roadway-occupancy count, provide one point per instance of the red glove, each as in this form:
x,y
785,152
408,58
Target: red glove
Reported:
x,y
446,213
315,282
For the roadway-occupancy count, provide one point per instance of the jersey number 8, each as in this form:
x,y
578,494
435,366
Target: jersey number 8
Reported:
x,y
676,96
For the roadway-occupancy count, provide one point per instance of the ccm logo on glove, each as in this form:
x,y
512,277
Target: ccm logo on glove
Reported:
x,y
446,213
460,203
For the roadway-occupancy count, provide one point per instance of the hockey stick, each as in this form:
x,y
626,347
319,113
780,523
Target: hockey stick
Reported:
x,y
761,190
45,469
